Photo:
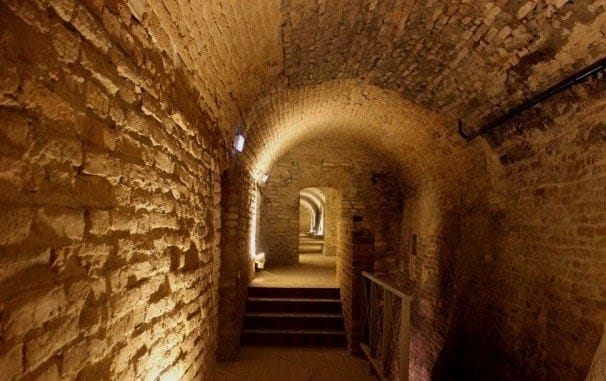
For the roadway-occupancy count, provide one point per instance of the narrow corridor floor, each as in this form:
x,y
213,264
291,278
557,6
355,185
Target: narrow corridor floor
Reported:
x,y
294,364
314,270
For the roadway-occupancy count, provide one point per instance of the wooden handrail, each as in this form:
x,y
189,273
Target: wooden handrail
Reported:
x,y
386,286
372,315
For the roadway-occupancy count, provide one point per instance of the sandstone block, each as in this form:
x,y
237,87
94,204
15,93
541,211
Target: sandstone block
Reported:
x,y
164,162
15,129
63,222
99,222
9,83
130,275
11,362
98,134
526,9
94,191
34,310
123,220
51,105
11,171
92,256
136,123
124,355
85,23
96,99
101,164
117,114
64,8
15,225
58,151
75,358
66,43
47,372
159,308
175,372
40,348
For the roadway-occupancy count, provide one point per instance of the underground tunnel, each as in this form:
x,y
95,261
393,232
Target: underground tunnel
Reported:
x,y
302,189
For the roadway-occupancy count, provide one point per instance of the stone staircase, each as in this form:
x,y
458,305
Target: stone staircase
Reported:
x,y
310,245
293,317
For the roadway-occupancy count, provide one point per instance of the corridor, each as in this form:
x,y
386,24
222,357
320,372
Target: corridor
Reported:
x,y
186,187
313,270
294,364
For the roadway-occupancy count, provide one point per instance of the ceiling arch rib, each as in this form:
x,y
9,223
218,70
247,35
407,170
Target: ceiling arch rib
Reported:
x,y
314,195
406,134
461,59
317,192
309,206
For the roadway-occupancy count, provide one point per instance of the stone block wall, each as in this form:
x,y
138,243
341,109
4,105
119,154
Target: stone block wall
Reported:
x,y
109,201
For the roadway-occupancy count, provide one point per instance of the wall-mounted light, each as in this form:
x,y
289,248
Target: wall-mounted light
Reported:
x,y
239,142
261,179
259,260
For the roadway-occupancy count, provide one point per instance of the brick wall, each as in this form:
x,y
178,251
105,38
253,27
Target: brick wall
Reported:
x,y
110,162
363,186
598,366
235,261
508,276
332,220
548,269
305,218
359,176
357,254
109,201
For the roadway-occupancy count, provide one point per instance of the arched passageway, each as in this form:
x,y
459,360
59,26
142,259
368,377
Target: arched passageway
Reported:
x,y
129,224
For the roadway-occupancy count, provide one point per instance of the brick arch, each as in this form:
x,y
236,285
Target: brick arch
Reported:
x,y
337,179
404,133
338,166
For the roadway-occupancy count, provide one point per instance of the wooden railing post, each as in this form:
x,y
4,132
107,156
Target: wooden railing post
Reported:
x,y
373,320
382,366
404,344
387,331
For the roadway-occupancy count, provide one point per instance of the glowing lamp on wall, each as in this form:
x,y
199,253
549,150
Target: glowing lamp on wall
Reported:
x,y
239,142
260,260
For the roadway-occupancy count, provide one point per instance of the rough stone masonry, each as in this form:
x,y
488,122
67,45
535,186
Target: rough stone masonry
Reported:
x,y
127,222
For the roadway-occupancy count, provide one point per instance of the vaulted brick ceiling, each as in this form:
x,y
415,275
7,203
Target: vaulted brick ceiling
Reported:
x,y
289,70
462,58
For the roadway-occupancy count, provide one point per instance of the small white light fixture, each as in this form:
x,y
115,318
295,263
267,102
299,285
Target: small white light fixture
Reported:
x,y
239,142
261,179
260,260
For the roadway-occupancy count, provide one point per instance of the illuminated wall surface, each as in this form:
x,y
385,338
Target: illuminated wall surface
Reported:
x,y
128,222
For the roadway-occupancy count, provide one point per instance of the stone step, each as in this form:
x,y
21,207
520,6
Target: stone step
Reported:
x,y
310,250
293,316
307,305
295,292
294,321
326,338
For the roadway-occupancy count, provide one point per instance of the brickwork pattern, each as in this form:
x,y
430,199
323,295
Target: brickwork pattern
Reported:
x,y
359,176
109,201
115,122
512,269
465,58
